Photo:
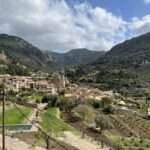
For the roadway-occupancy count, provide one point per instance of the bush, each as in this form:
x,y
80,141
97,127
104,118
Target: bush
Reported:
x,y
119,147
51,100
141,140
84,113
106,101
108,110
147,145
107,104
37,101
66,104
103,122
62,92
95,103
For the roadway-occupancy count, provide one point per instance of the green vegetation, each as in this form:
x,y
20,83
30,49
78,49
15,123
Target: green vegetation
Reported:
x,y
13,116
31,96
107,103
84,113
96,104
15,68
23,57
52,100
52,123
125,68
103,122
67,104
74,57
126,143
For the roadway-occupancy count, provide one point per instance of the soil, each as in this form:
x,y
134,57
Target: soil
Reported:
x,y
53,143
93,134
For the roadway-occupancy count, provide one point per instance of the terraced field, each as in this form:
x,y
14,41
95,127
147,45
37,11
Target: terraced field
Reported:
x,y
129,143
122,127
51,121
13,116
138,124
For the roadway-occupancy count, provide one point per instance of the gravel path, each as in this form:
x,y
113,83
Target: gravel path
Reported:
x,y
81,143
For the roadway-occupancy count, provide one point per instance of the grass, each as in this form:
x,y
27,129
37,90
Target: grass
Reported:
x,y
13,116
52,122
31,96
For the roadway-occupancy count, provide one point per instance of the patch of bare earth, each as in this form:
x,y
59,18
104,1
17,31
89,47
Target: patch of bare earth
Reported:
x,y
39,139
81,143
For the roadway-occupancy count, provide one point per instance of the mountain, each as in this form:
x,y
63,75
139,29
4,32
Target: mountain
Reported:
x,y
20,54
131,53
125,66
74,57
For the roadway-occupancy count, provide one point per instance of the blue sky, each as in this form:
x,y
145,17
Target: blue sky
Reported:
x,y
126,8
61,25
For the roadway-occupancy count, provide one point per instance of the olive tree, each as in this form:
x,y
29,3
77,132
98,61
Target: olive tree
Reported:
x,y
103,123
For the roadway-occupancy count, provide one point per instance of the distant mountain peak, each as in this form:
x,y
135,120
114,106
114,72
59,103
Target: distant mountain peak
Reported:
x,y
75,57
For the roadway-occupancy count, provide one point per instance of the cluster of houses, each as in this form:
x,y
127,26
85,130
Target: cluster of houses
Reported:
x,y
84,92
52,84
42,84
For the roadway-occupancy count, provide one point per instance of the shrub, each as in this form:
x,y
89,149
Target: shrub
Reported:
x,y
108,110
147,145
141,141
107,104
119,147
51,100
94,103
103,122
84,113
66,104
62,92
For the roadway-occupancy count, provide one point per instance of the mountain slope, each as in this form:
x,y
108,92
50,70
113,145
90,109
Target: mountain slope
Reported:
x,y
125,66
18,51
133,52
75,57
18,56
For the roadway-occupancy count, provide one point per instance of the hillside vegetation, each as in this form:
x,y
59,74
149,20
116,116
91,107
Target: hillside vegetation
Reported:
x,y
20,56
74,57
125,66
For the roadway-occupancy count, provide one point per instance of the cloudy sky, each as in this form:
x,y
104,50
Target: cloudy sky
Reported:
x,y
61,25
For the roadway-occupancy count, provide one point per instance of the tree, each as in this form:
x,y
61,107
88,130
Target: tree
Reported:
x,y
51,100
85,114
67,104
107,104
103,122
147,101
94,103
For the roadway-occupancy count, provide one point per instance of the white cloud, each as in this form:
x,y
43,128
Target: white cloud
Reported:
x,y
146,1
140,25
55,25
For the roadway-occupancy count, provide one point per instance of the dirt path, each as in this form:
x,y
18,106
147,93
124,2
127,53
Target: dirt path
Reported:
x,y
16,144
93,134
33,120
6,108
81,143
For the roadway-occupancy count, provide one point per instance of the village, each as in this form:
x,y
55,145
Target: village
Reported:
x,y
47,111
43,85
52,84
